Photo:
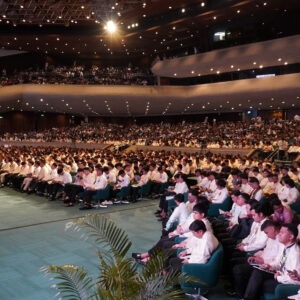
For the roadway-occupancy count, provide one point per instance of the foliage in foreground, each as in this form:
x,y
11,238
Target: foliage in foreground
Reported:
x,y
120,278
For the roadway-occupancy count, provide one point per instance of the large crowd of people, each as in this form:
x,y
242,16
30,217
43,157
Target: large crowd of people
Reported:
x,y
267,136
262,217
259,232
79,75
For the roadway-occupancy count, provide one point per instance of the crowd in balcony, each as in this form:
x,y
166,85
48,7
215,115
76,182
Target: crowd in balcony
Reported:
x,y
265,135
78,74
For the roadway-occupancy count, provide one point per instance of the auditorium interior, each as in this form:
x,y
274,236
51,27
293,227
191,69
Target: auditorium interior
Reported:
x,y
149,149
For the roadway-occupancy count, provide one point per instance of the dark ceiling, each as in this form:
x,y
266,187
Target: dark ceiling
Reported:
x,y
163,27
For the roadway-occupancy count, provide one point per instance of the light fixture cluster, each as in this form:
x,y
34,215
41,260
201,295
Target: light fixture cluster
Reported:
x,y
147,108
108,107
128,108
167,108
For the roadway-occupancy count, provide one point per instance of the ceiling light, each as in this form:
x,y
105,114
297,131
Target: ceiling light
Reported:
x,y
232,66
111,26
183,10
279,59
202,4
285,63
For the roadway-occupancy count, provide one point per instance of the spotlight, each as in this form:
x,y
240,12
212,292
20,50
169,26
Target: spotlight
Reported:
x,y
111,27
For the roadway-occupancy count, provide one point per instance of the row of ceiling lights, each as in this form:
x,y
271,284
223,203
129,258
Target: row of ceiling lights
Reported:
x,y
285,63
188,108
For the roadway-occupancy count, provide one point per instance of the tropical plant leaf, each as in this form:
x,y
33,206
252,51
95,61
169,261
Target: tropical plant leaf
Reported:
x,y
74,282
105,232
119,275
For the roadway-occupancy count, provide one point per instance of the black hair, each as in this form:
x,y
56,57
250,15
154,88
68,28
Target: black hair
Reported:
x,y
236,193
221,183
246,197
179,198
267,224
253,180
197,225
292,228
200,208
290,182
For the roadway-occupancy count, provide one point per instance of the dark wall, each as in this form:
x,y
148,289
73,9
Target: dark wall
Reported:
x,y
28,121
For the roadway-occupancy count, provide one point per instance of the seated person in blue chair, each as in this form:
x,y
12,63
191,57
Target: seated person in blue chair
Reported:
x,y
123,181
284,270
167,242
198,248
99,184
180,188
159,179
242,272
143,180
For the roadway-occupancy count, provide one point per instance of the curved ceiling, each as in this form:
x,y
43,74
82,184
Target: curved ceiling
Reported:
x,y
280,92
277,52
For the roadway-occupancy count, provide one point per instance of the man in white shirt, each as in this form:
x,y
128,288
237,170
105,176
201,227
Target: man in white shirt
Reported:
x,y
59,182
160,178
35,171
199,247
42,184
179,214
180,188
221,192
100,184
123,181
242,272
292,192
286,263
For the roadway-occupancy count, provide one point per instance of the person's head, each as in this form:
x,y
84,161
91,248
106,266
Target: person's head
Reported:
x,y
198,228
259,212
204,201
276,204
288,234
179,177
198,172
192,196
127,168
122,173
254,183
105,170
255,171
221,184
211,176
235,195
199,211
243,199
54,166
99,170
179,198
270,229
289,183
60,171
244,178
86,170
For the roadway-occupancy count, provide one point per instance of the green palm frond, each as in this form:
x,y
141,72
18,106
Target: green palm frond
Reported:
x,y
105,233
119,275
162,287
74,282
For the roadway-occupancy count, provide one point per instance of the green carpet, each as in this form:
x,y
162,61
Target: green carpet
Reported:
x,y
32,235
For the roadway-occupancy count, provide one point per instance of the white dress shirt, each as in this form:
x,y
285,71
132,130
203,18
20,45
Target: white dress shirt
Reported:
x,y
88,180
65,178
292,262
270,252
292,196
180,214
42,173
180,188
100,183
219,196
123,181
161,177
199,250
256,239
